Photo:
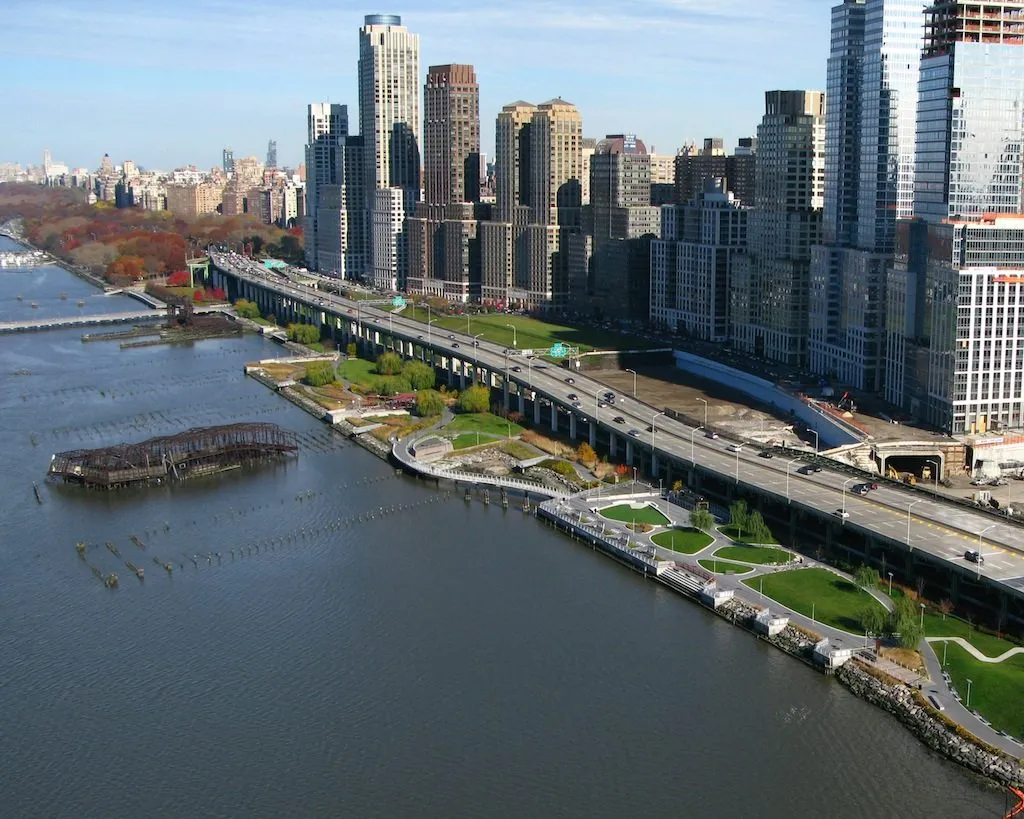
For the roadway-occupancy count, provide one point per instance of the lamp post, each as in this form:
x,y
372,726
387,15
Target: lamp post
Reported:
x,y
911,506
634,380
468,331
922,617
969,683
692,433
890,584
737,464
936,483
814,432
476,360
845,483
788,465
512,327
980,555
812,612
705,403
429,324
634,481
655,418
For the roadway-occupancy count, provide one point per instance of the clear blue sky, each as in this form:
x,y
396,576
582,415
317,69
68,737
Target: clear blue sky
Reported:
x,y
171,83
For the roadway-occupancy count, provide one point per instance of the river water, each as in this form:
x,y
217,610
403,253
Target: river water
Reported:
x,y
447,659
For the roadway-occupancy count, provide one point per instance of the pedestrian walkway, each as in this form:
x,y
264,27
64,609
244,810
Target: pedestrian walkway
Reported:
x,y
960,641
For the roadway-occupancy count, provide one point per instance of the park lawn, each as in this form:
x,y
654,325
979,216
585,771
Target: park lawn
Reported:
x,y
519,451
685,541
836,601
730,532
724,567
530,333
357,371
483,422
468,439
995,687
625,513
987,644
762,555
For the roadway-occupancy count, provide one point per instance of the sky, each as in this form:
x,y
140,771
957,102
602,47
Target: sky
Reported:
x,y
171,83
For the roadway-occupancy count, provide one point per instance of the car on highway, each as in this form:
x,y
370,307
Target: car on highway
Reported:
x,y
517,369
577,404
712,435
419,336
735,447
974,556
766,453
619,419
476,343
451,336
609,396
871,486
634,432
861,489
570,381
841,513
602,404
573,396
455,346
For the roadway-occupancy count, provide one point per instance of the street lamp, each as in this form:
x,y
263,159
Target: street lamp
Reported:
x,y
515,342
429,324
655,418
980,556
476,360
705,403
969,682
634,480
788,465
634,380
922,617
845,483
738,464
911,506
467,324
937,467
692,433
814,432
890,584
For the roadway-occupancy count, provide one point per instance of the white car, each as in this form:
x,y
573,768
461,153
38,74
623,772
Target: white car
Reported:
x,y
841,513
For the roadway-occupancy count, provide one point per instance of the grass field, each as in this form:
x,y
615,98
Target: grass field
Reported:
x,y
995,688
357,371
817,593
724,567
627,514
987,644
731,532
484,423
761,555
685,541
468,439
529,332
519,451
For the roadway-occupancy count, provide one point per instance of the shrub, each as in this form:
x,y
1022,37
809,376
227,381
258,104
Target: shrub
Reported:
x,y
563,468
247,309
429,402
352,350
319,373
179,278
585,454
474,399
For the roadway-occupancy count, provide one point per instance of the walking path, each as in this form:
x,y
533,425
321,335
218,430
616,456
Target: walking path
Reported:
x,y
960,641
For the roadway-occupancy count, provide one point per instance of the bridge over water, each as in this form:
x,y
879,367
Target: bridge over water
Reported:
x,y
61,322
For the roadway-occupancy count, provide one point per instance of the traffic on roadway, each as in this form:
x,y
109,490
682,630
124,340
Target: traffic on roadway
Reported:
x,y
940,529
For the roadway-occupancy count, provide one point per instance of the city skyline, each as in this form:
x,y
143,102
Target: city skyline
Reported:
x,y
170,99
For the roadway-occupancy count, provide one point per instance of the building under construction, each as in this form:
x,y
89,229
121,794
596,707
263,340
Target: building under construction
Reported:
x,y
195,452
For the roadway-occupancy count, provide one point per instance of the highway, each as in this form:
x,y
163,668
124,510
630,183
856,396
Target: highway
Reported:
x,y
942,530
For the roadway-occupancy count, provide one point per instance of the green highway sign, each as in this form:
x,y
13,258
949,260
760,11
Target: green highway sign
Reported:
x,y
398,301
558,350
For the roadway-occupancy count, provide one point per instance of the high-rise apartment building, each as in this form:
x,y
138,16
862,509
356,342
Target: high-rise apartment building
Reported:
x,y
389,125
955,294
391,207
556,164
693,166
692,262
271,154
769,300
227,159
513,132
869,179
451,135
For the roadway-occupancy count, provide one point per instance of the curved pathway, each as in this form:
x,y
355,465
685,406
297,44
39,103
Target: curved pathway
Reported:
x,y
960,641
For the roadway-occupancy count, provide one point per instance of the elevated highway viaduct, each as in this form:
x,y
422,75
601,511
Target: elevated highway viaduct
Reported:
x,y
919,538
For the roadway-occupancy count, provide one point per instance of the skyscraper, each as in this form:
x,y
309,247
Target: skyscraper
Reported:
x,y
512,159
770,282
272,154
556,164
227,159
869,178
451,135
389,124
955,353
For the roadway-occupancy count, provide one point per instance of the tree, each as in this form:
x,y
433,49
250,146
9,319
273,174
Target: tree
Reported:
x,y
904,622
474,399
303,333
429,402
757,529
677,486
946,607
702,519
738,516
866,577
871,619
125,268
319,373
352,350
388,364
421,375
585,454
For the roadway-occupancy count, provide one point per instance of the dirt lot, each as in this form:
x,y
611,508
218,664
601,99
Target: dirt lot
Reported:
x,y
727,409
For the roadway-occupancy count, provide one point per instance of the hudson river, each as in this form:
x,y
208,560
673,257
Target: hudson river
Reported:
x,y
445,660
